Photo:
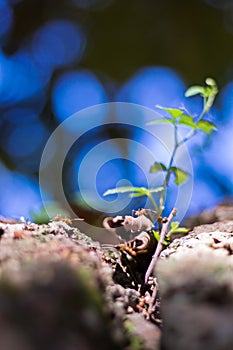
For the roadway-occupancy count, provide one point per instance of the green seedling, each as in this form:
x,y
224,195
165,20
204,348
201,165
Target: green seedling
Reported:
x,y
177,117
174,228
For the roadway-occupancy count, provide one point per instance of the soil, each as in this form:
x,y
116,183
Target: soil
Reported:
x,y
61,290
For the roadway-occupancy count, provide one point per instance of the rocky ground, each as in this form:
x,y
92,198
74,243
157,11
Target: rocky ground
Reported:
x,y
61,290
196,283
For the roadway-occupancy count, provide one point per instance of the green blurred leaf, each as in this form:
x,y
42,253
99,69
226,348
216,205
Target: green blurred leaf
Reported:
x,y
206,126
166,242
174,112
211,82
194,90
187,120
157,166
156,235
137,194
133,191
156,189
181,230
174,228
174,225
180,175
208,93
125,189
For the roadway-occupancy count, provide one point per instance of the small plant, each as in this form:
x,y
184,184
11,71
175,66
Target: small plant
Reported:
x,y
176,117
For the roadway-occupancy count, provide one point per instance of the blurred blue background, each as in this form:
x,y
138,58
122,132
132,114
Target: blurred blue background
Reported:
x,y
58,57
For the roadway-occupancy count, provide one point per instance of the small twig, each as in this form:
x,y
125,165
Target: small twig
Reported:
x,y
160,244
152,303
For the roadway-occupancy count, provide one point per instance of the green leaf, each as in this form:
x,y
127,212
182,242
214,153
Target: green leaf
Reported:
x,y
194,90
124,189
133,191
180,175
156,189
176,229
182,230
158,121
211,82
156,235
208,93
174,225
187,120
206,126
174,112
157,166
166,242
136,194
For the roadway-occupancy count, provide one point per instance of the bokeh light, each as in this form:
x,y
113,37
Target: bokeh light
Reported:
x,y
207,191
25,139
26,73
227,104
19,116
218,156
19,194
76,90
153,85
57,43
19,79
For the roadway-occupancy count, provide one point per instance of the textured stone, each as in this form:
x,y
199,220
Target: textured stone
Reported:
x,y
57,293
195,275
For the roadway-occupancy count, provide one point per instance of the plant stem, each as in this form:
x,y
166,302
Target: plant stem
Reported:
x,y
159,245
177,145
153,202
167,177
207,103
152,302
193,132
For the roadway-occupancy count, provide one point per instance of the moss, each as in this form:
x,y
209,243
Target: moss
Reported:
x,y
136,342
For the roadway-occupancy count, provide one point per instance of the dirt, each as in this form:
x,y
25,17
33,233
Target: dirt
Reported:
x,y
61,290
58,290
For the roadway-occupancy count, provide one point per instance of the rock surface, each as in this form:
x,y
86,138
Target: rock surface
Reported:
x,y
195,275
61,290
57,292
